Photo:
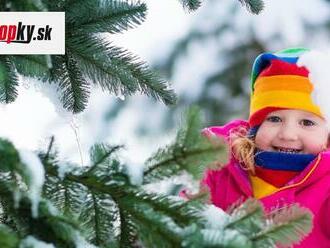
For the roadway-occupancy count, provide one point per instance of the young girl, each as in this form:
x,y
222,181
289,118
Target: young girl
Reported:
x,y
280,155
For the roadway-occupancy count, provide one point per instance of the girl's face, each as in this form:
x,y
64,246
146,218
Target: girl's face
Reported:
x,y
293,131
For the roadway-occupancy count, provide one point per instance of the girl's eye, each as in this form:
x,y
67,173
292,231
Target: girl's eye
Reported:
x,y
274,119
307,123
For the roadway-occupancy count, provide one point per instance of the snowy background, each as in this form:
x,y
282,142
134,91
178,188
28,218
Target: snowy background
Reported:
x,y
33,118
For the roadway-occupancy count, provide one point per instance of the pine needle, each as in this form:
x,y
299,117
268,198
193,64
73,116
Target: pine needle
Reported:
x,y
191,5
112,16
285,226
254,6
247,218
72,84
8,80
116,70
190,152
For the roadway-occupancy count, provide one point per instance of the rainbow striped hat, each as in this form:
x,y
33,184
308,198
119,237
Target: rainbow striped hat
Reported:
x,y
277,82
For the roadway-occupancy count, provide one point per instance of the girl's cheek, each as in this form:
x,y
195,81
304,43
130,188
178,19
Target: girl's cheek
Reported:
x,y
262,140
316,146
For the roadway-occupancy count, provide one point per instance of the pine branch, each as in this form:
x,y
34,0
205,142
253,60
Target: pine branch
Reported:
x,y
116,70
128,231
99,217
8,238
190,152
99,181
163,227
18,202
102,153
17,5
225,238
59,5
8,80
86,17
191,5
74,198
182,212
74,87
63,230
111,209
67,196
284,227
254,6
87,57
32,66
106,180
10,159
247,218
97,226
50,146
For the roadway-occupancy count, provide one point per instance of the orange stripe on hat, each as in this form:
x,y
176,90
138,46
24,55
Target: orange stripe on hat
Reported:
x,y
280,82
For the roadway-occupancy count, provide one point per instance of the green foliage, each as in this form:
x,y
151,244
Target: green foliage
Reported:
x,y
117,70
254,6
88,17
17,201
9,158
108,197
99,203
249,225
190,152
8,237
8,80
32,66
293,220
89,58
191,4
74,87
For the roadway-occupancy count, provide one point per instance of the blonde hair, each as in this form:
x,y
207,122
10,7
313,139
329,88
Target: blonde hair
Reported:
x,y
242,147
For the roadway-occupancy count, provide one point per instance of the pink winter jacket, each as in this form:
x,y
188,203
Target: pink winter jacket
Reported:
x,y
311,189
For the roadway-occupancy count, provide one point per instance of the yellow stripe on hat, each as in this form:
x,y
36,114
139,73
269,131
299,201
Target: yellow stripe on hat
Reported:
x,y
283,91
283,99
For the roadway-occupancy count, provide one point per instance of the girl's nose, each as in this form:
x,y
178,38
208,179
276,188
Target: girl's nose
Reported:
x,y
288,132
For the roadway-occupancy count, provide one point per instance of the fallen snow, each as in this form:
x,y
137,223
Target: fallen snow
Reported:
x,y
64,168
80,242
37,177
31,241
52,92
135,172
215,217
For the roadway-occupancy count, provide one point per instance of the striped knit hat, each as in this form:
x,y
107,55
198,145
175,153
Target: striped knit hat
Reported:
x,y
277,82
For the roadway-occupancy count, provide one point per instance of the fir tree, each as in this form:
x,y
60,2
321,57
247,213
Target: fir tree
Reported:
x,y
89,59
98,204
50,203
254,6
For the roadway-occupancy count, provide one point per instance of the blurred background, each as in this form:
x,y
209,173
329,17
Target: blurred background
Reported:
x,y
206,56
